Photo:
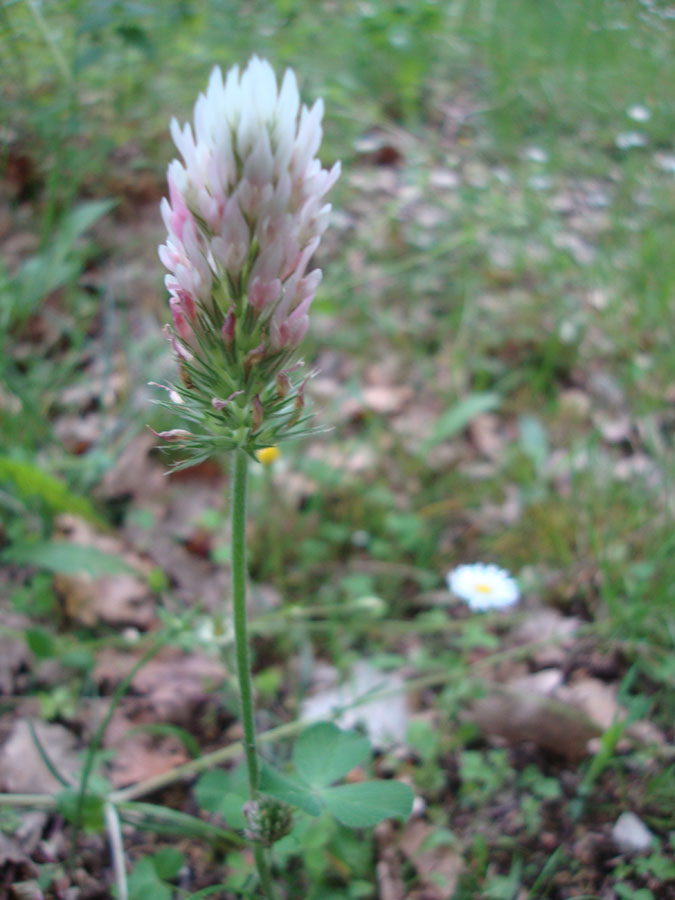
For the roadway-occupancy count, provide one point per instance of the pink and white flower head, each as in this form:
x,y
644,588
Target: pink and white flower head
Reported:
x,y
244,217
483,586
245,211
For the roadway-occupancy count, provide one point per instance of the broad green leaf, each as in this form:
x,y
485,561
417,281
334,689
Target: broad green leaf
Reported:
x,y
80,219
59,263
66,558
40,642
290,790
39,276
224,793
29,481
459,416
232,810
145,885
77,657
368,802
91,811
323,753
211,788
143,875
168,862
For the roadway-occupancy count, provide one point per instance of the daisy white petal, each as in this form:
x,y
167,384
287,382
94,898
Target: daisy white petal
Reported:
x,y
483,586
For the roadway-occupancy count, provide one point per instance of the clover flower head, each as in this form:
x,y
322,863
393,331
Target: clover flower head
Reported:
x,y
244,216
483,586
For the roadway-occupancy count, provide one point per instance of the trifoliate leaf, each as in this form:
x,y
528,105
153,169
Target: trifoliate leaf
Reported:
x,y
368,802
323,753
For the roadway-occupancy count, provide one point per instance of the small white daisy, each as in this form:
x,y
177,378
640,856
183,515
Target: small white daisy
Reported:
x,y
483,586
639,113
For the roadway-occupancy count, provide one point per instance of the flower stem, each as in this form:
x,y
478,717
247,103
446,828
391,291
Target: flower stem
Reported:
x,y
241,639
240,631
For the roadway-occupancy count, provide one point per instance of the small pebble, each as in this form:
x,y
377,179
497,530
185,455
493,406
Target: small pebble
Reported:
x,y
630,834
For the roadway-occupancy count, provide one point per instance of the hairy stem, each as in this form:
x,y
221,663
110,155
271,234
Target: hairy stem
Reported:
x,y
240,629
241,639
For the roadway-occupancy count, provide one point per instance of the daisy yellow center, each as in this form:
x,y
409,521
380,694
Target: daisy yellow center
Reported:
x,y
483,588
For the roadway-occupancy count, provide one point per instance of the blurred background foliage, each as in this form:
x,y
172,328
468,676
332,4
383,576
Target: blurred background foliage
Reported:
x,y
87,91
495,329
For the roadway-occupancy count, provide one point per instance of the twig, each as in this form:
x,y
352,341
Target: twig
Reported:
x,y
37,801
112,821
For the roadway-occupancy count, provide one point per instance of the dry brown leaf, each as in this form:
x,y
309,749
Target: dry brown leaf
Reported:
x,y
388,870
116,599
439,868
27,890
528,716
31,828
170,686
194,579
383,147
123,599
370,181
11,852
443,179
78,433
98,387
547,625
22,770
134,474
140,755
647,733
491,516
16,868
14,652
614,428
545,682
486,436
574,402
582,252
639,465
387,399
595,698
295,487
352,458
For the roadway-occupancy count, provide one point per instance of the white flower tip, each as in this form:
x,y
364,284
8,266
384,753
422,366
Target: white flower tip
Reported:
x,y
289,86
215,80
175,130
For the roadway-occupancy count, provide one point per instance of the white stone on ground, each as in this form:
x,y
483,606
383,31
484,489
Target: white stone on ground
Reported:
x,y
630,834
